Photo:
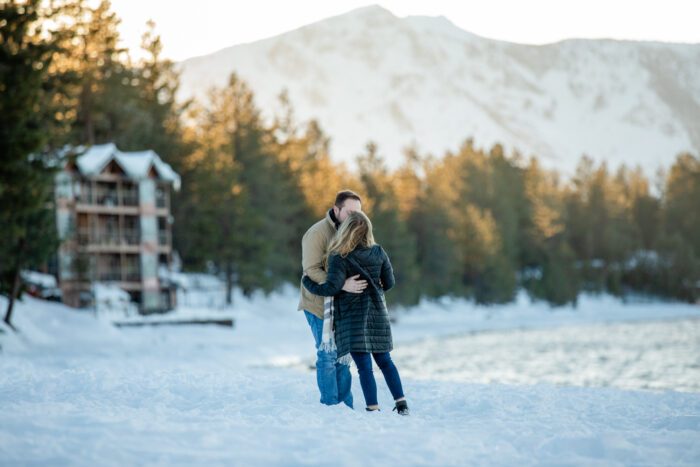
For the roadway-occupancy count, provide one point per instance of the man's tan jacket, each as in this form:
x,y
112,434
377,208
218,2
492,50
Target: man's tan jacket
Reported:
x,y
313,249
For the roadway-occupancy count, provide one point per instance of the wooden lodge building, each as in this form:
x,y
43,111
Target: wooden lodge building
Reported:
x,y
114,222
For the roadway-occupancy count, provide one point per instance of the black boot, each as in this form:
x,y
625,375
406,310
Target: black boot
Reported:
x,y
402,408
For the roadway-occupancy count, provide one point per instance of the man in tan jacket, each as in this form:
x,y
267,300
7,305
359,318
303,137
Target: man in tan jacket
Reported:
x,y
333,379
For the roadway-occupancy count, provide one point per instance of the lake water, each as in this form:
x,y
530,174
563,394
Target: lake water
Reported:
x,y
652,355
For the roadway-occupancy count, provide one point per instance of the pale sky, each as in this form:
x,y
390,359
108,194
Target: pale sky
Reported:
x,y
197,28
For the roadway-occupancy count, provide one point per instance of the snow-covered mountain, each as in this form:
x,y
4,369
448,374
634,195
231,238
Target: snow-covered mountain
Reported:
x,y
422,80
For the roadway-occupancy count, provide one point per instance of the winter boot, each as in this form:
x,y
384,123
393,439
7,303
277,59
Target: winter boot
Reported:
x,y
402,408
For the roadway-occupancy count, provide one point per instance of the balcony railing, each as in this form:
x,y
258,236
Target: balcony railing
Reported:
x,y
108,195
109,237
163,237
107,198
132,275
117,275
84,197
130,198
118,270
110,275
131,236
161,197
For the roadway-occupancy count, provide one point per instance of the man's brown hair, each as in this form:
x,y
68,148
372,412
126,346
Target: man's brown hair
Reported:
x,y
344,195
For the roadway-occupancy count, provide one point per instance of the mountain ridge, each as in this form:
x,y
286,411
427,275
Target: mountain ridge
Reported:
x,y
423,81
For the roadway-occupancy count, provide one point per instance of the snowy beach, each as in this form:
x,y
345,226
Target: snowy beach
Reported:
x,y
75,390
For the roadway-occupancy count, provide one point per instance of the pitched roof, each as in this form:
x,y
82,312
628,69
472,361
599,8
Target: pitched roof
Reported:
x,y
135,164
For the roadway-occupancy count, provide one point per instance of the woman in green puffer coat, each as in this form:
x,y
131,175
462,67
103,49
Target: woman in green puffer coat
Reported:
x,y
361,321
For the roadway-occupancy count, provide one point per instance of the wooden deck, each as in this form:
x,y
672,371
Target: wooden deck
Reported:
x,y
227,322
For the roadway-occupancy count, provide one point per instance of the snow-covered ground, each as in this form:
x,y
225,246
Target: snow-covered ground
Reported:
x,y
659,355
76,390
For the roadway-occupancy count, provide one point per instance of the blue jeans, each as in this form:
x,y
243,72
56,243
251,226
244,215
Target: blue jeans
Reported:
x,y
369,386
334,380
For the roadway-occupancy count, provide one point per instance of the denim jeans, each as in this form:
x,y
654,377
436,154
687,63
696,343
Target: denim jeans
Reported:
x,y
334,380
369,386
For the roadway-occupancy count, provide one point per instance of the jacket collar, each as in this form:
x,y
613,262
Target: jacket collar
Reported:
x,y
330,217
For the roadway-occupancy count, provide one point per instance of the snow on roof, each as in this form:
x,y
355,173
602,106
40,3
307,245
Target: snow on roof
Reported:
x,y
136,164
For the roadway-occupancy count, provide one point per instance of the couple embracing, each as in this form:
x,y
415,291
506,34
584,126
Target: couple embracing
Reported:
x,y
342,296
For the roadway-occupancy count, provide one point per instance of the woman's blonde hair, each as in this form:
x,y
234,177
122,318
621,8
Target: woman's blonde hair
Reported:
x,y
355,231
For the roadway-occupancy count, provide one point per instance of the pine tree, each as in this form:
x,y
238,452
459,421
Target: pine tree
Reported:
x,y
246,212
287,213
105,94
407,182
306,151
27,91
680,242
433,223
156,122
682,198
547,261
390,230
484,221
